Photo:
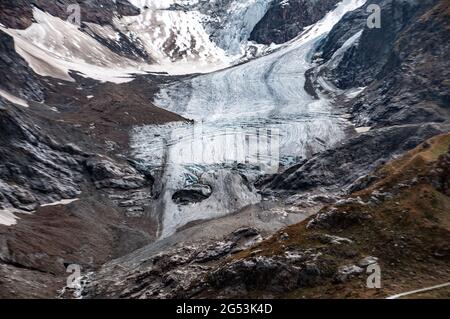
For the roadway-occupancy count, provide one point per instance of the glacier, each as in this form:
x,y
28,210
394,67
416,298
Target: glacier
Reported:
x,y
250,119
266,94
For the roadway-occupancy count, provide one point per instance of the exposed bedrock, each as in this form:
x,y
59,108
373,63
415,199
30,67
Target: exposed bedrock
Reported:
x,y
178,272
344,164
402,68
284,20
107,174
192,194
17,77
40,234
37,169
402,65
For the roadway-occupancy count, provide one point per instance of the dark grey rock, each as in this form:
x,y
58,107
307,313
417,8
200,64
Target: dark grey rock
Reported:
x,y
245,232
340,166
345,273
284,20
213,252
331,239
17,77
403,64
32,170
107,174
192,194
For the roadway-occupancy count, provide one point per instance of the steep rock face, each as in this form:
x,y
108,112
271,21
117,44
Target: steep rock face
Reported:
x,y
17,78
94,15
18,14
363,62
403,63
34,168
345,163
403,67
122,44
413,86
284,20
107,174
51,212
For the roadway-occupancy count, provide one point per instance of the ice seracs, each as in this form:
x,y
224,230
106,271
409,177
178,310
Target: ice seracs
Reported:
x,y
54,47
265,94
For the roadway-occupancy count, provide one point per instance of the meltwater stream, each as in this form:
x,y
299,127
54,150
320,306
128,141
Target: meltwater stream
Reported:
x,y
249,120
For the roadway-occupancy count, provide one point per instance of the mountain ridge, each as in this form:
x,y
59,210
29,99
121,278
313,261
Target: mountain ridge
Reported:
x,y
73,190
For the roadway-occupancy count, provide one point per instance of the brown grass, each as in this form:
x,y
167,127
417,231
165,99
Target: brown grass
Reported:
x,y
409,233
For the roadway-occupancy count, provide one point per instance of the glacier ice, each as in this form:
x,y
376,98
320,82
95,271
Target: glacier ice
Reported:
x,y
264,94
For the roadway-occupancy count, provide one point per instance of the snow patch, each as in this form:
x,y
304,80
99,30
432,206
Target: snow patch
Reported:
x,y
61,202
351,94
53,47
363,129
13,99
8,217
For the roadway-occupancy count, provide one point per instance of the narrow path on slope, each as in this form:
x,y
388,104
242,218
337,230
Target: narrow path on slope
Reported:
x,y
413,292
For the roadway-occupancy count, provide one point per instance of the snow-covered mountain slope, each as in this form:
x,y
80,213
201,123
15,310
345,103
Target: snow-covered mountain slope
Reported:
x,y
191,30
52,47
173,36
266,93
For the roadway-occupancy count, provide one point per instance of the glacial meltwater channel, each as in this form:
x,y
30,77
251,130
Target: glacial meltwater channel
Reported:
x,y
249,120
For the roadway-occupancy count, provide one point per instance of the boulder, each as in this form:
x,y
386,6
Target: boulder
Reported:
x,y
345,273
107,174
192,194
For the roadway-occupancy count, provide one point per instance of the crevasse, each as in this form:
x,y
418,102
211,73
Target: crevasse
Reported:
x,y
264,94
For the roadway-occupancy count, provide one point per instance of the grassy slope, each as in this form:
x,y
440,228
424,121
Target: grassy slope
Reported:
x,y
408,231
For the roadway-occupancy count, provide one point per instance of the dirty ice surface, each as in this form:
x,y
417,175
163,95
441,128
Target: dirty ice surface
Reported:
x,y
249,119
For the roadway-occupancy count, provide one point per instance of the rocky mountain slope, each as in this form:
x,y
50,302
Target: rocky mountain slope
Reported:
x,y
393,63
285,19
388,68
19,15
78,103
65,198
398,220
